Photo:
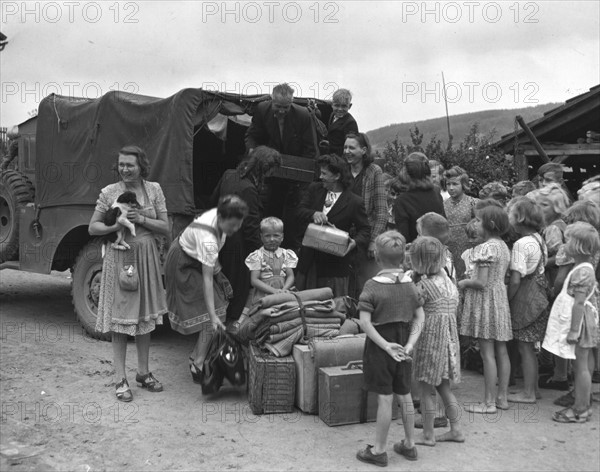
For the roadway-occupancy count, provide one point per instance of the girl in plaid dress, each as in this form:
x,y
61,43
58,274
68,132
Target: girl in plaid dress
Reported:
x,y
437,354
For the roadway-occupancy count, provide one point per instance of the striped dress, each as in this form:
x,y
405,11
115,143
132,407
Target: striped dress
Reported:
x,y
437,354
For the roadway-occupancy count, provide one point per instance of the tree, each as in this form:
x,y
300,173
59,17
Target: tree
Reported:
x,y
475,154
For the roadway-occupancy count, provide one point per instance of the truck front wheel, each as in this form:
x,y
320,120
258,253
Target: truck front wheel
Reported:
x,y
85,290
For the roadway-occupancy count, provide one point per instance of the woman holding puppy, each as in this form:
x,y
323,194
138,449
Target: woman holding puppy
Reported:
x,y
132,300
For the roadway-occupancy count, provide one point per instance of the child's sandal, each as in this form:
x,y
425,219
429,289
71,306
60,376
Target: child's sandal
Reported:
x,y
123,392
571,415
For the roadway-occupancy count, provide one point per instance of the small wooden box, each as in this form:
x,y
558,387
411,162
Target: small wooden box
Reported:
x,y
326,239
272,382
340,396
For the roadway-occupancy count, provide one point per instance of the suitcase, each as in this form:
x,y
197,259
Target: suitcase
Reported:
x,y
321,353
341,393
327,239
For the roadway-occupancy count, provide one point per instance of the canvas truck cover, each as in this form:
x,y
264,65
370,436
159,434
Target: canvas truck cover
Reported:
x,y
78,142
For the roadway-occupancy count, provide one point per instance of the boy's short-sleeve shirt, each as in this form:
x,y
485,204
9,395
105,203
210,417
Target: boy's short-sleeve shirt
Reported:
x,y
390,301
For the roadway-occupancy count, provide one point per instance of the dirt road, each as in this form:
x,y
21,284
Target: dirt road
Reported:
x,y
58,410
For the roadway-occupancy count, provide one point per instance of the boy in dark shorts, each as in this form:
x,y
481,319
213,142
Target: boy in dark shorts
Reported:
x,y
392,317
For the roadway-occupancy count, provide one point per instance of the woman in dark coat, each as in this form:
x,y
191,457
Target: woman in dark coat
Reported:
x,y
420,197
246,182
331,201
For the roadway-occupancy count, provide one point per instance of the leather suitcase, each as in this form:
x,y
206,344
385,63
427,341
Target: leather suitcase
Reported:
x,y
326,238
341,393
336,351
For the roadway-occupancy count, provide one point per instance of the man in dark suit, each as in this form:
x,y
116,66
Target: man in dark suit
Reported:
x,y
282,125
288,128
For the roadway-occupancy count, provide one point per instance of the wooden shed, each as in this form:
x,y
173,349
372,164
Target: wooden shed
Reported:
x,y
569,134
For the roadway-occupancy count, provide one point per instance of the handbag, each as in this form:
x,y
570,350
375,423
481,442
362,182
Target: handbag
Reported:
x,y
327,239
531,298
224,359
212,373
231,361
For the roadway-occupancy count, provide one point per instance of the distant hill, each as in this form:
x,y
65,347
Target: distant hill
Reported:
x,y
502,121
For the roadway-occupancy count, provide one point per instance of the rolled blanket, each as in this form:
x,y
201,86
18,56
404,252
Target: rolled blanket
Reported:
x,y
286,325
319,308
333,315
320,294
247,329
324,306
285,346
313,331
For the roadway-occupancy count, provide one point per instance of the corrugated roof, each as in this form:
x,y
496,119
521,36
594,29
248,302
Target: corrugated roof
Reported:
x,y
565,123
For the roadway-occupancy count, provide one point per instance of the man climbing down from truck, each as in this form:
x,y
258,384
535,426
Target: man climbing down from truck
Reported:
x,y
288,128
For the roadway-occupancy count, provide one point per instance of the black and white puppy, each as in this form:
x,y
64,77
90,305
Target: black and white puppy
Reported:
x,y
118,214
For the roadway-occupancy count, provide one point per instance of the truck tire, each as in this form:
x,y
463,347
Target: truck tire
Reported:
x,y
16,191
85,289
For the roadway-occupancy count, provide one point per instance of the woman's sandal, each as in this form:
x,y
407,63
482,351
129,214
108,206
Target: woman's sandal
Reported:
x,y
571,415
148,382
123,392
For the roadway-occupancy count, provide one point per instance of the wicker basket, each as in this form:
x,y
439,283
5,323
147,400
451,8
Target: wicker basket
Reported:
x,y
272,383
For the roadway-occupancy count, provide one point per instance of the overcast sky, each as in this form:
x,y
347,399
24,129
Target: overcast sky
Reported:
x,y
389,54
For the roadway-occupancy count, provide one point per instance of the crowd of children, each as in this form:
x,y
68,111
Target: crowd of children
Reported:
x,y
528,279
515,276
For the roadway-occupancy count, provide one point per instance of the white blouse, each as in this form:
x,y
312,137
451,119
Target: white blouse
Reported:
x,y
526,254
202,244
330,200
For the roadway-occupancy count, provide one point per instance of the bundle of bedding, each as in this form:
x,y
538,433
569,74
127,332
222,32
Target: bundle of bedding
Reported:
x,y
277,322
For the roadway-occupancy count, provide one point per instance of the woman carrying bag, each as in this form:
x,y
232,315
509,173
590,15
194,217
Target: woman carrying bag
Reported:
x,y
331,201
197,291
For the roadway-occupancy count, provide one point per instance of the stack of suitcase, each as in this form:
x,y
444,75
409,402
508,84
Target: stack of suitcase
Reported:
x,y
329,380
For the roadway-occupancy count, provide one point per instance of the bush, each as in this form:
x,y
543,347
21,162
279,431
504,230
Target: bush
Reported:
x,y
475,154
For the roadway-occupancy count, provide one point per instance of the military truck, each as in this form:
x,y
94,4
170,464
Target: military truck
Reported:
x,y
67,154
